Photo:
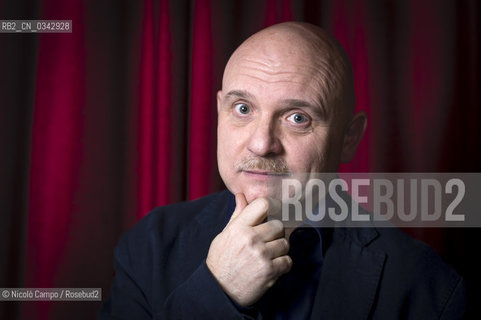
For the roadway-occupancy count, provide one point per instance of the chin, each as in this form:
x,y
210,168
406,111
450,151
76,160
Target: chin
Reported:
x,y
251,196
253,192
254,188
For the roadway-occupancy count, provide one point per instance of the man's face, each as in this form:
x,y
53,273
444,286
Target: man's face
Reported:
x,y
271,121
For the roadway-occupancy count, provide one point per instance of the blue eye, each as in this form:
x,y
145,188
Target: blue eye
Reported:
x,y
298,118
242,108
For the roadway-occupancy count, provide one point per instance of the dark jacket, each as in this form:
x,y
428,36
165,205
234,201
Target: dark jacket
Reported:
x,y
367,273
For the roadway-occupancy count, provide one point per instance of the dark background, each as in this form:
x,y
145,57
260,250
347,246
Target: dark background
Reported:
x,y
99,126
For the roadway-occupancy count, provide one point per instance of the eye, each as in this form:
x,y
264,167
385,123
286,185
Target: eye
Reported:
x,y
298,118
242,108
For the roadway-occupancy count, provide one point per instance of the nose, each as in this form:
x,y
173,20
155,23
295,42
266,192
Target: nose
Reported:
x,y
264,140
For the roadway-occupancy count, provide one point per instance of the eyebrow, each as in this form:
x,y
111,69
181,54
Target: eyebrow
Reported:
x,y
297,103
239,94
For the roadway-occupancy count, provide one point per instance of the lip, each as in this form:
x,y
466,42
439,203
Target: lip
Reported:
x,y
264,173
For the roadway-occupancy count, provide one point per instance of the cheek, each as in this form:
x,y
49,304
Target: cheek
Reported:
x,y
228,139
222,144
304,159
307,154
228,146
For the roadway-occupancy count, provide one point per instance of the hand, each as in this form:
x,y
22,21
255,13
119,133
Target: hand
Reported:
x,y
248,256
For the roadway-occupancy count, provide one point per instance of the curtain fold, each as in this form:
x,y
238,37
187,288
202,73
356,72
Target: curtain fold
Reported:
x,y
202,113
56,150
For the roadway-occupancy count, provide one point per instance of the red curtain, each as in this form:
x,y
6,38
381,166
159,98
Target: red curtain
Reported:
x,y
99,126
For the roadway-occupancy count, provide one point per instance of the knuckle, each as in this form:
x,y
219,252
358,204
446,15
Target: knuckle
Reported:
x,y
271,283
261,255
248,240
266,264
285,244
277,224
269,270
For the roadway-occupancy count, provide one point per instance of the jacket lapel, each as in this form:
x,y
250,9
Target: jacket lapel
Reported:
x,y
350,276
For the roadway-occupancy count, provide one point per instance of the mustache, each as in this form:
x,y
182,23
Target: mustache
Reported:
x,y
263,164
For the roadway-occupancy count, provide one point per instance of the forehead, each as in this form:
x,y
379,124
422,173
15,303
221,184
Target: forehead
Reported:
x,y
282,66
263,74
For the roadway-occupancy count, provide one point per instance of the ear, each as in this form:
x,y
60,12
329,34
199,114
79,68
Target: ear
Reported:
x,y
219,100
353,135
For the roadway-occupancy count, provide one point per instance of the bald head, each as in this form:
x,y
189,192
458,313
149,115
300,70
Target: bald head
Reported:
x,y
302,45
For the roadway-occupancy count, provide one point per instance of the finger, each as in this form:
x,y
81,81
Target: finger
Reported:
x,y
274,211
240,204
255,212
282,265
277,248
270,230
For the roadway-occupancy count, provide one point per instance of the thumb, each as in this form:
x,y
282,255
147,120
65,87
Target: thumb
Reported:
x,y
240,204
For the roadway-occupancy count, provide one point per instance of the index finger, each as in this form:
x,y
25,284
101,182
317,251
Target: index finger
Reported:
x,y
240,204
257,211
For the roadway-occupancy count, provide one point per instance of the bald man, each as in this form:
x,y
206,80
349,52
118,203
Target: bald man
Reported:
x,y
286,107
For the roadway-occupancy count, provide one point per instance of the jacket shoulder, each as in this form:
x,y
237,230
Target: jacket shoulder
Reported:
x,y
170,219
415,275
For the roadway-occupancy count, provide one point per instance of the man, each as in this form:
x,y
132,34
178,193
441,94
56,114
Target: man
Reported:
x,y
286,107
